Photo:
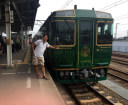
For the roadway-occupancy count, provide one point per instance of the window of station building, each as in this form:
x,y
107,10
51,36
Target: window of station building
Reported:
x,y
85,32
104,33
62,33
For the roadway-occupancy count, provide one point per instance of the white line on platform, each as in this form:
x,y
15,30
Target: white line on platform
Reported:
x,y
29,63
28,84
21,72
29,70
7,73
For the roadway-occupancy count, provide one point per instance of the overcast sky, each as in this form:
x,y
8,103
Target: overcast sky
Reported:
x,y
119,11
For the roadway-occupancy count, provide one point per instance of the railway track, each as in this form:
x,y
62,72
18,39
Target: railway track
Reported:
x,y
84,94
116,70
125,55
119,67
119,77
119,71
119,61
120,58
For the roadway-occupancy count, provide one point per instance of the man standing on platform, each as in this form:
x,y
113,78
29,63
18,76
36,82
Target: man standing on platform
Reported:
x,y
38,48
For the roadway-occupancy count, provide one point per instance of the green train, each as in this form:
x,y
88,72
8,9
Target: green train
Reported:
x,y
85,41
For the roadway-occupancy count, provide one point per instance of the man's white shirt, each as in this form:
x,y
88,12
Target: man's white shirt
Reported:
x,y
40,48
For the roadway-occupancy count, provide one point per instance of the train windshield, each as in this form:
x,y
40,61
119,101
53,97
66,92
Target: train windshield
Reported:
x,y
104,33
62,33
64,13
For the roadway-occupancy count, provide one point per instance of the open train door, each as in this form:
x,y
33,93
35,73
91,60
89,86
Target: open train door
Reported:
x,y
85,43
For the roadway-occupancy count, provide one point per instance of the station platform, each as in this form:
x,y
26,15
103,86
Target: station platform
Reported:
x,y
17,57
19,86
116,88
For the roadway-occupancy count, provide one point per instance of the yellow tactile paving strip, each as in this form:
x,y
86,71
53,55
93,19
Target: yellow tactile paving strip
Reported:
x,y
3,64
26,59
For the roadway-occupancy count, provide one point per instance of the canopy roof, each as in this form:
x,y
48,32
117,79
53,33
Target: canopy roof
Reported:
x,y
24,12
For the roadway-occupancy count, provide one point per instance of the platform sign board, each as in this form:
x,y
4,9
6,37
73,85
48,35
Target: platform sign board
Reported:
x,y
11,17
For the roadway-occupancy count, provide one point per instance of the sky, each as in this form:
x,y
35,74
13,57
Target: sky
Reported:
x,y
118,9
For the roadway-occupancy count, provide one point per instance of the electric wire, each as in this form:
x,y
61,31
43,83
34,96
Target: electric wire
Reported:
x,y
124,24
110,5
66,4
113,5
121,18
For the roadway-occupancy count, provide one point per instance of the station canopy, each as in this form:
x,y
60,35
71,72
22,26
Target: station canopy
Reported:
x,y
24,12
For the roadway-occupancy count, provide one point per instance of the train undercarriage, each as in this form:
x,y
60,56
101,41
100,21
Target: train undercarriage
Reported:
x,y
80,76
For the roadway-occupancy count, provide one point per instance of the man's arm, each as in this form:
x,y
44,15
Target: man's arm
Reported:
x,y
53,47
33,45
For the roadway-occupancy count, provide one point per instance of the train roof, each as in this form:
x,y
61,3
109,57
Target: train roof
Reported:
x,y
81,13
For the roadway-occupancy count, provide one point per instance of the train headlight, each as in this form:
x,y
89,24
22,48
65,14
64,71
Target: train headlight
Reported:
x,y
61,74
67,73
102,72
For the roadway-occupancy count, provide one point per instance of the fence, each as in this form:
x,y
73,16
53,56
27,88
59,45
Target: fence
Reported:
x,y
120,48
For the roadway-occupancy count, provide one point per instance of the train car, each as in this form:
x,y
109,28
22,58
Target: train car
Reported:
x,y
85,41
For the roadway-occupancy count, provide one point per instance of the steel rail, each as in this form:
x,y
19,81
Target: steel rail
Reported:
x,y
72,95
77,101
126,73
99,94
119,61
120,55
118,77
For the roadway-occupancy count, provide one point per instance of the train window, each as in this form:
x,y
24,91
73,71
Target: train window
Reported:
x,y
64,13
62,33
103,15
104,33
85,31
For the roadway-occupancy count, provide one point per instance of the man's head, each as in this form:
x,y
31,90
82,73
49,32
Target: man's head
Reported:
x,y
45,38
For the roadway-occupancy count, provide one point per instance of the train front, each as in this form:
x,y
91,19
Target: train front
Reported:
x,y
84,38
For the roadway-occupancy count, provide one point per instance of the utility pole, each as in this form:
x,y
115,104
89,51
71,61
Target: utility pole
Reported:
x,y
25,38
116,31
127,33
22,37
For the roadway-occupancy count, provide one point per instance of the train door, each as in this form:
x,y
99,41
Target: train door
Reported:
x,y
85,43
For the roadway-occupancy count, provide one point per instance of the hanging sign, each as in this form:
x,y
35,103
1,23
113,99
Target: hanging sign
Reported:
x,y
11,17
